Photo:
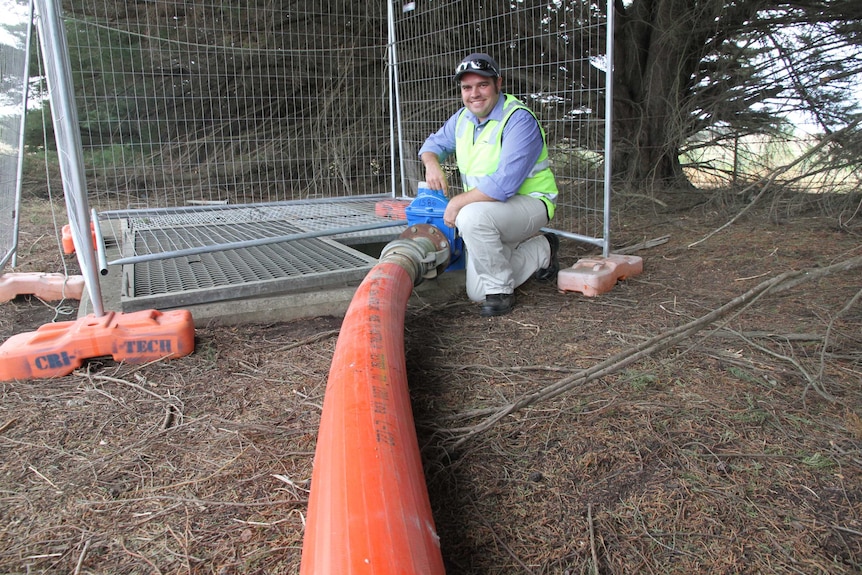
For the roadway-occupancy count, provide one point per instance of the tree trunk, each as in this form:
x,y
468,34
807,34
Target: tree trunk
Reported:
x,y
657,49
661,48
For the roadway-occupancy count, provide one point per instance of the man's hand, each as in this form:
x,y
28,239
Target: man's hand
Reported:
x,y
450,213
458,201
435,177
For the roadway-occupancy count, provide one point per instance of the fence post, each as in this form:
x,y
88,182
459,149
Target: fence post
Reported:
x,y
52,39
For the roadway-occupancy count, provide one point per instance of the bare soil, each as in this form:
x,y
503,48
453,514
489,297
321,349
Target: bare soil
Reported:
x,y
737,449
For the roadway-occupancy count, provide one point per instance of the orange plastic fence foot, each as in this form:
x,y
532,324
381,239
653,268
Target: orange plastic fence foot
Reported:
x,y
69,243
593,276
57,349
392,209
49,287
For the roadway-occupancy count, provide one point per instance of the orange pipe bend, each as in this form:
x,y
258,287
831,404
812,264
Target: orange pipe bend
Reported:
x,y
369,511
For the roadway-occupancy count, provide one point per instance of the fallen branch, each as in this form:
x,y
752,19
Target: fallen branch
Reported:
x,y
652,345
852,302
642,245
812,380
125,382
731,334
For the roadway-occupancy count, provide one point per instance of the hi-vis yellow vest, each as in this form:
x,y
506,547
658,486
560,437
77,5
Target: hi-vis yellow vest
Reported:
x,y
480,158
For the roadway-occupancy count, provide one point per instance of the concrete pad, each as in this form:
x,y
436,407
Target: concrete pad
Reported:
x,y
327,302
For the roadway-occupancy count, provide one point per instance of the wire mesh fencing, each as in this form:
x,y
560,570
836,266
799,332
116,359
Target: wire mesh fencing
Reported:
x,y
553,58
195,102
14,37
185,102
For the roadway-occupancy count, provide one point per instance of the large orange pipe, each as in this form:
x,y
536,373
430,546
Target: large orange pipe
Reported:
x,y
369,510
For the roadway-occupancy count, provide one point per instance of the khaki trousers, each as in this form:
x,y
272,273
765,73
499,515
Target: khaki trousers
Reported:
x,y
503,250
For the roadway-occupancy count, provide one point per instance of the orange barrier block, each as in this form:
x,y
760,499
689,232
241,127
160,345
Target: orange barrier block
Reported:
x,y
392,209
69,243
57,349
593,276
49,287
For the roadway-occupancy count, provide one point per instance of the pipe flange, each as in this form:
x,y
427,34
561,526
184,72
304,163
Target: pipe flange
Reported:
x,y
436,238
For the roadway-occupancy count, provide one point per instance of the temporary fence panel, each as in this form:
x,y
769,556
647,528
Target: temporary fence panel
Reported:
x,y
203,107
14,40
190,102
554,57
193,102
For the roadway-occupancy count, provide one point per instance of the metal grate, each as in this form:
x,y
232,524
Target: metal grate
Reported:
x,y
223,225
275,268
286,267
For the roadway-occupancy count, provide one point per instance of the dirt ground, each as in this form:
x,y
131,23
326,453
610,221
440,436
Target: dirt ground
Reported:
x,y
736,448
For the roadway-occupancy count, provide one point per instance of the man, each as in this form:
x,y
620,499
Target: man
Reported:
x,y
509,191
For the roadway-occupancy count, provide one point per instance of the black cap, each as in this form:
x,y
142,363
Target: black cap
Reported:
x,y
478,63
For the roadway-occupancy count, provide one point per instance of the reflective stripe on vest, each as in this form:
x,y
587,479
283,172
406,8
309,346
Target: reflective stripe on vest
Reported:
x,y
482,157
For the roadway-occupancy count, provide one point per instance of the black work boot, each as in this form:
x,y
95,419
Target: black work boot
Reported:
x,y
497,304
549,273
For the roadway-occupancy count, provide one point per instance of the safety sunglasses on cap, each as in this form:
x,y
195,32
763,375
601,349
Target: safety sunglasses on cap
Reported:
x,y
479,64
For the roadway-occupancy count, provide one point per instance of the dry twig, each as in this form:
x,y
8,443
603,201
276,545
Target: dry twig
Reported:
x,y
642,245
592,539
309,340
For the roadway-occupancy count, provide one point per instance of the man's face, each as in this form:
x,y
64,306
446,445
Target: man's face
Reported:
x,y
480,94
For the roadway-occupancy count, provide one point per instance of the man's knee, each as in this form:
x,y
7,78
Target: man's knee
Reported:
x,y
471,217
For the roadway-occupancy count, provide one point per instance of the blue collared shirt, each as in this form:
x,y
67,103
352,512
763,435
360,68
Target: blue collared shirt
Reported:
x,y
522,145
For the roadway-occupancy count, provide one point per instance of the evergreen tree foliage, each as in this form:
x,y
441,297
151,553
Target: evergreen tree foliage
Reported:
x,y
687,68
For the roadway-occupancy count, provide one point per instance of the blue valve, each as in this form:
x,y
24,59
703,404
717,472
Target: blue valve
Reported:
x,y
428,208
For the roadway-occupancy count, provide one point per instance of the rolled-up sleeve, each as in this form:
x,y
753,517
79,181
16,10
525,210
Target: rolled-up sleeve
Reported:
x,y
442,142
